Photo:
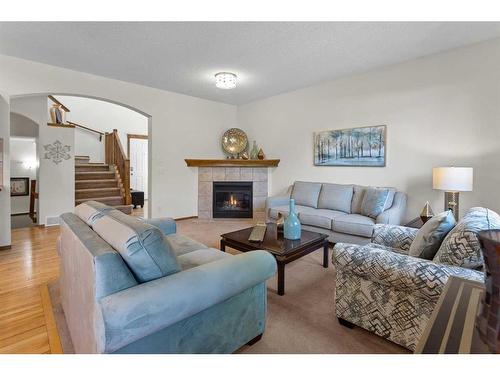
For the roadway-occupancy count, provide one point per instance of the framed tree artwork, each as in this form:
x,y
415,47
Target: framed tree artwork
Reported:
x,y
19,186
355,147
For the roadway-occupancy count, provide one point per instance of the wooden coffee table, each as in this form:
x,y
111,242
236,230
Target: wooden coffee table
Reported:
x,y
285,251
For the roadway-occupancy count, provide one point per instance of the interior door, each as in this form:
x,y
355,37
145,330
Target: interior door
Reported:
x,y
139,165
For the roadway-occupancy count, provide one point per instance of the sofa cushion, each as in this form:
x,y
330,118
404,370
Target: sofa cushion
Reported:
x,y
431,235
374,202
142,246
336,197
181,244
306,193
319,217
198,257
273,212
355,224
91,210
461,246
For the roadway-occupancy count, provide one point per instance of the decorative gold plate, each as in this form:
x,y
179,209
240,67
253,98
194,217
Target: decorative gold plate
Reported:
x,y
234,141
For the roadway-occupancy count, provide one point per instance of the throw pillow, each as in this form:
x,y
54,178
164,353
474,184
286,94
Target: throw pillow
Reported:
x,y
374,202
359,193
461,246
90,211
431,235
142,246
357,198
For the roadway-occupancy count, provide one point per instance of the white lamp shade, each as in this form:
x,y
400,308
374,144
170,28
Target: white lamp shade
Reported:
x,y
452,178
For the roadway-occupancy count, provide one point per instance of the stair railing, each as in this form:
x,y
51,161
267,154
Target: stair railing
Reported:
x,y
115,155
87,128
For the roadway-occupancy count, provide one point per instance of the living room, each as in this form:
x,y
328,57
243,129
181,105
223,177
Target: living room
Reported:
x,y
312,188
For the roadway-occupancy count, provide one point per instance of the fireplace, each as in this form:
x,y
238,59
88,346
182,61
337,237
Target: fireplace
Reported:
x,y
232,199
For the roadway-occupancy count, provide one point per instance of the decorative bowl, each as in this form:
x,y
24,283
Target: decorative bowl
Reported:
x,y
234,141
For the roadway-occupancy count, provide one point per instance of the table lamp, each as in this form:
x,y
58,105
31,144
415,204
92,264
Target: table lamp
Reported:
x,y
452,180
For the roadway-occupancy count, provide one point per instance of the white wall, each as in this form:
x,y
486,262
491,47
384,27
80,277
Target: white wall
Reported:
x,y
56,182
440,110
21,126
182,126
22,150
102,116
5,188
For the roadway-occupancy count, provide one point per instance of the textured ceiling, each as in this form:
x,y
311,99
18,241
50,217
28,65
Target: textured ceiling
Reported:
x,y
269,57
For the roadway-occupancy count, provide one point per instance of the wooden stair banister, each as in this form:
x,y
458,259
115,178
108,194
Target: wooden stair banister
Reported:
x,y
115,155
87,128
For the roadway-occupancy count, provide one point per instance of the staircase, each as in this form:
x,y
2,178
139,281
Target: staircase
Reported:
x,y
99,182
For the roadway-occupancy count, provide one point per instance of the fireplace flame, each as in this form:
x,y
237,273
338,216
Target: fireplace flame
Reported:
x,y
232,200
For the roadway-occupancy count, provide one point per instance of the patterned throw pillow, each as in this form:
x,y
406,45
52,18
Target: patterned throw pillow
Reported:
x,y
431,235
374,202
461,246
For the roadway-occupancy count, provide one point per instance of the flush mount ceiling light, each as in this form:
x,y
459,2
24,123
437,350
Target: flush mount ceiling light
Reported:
x,y
225,80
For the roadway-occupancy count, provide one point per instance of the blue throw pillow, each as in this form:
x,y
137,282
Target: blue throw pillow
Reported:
x,y
431,235
374,202
142,246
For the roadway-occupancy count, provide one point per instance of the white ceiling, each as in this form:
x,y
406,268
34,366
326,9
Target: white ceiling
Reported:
x,y
268,57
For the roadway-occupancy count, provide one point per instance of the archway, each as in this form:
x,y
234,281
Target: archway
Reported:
x,y
147,117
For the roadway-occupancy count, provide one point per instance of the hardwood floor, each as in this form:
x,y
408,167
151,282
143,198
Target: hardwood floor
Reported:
x,y
26,320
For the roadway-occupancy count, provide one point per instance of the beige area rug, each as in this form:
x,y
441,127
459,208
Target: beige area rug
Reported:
x,y
301,321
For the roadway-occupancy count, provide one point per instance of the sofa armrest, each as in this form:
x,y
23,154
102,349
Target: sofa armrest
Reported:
x,y
274,202
166,224
146,308
396,213
277,201
394,236
419,277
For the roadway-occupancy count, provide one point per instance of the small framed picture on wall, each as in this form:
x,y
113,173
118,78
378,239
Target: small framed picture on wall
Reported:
x,y
19,186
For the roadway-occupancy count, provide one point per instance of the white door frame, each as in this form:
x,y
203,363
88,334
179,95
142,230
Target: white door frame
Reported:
x,y
146,137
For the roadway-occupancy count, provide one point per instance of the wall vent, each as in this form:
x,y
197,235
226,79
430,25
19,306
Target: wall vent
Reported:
x,y
51,220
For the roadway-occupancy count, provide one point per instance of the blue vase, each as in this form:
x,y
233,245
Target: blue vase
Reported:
x,y
291,228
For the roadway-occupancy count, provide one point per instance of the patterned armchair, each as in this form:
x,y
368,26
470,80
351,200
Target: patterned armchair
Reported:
x,y
381,288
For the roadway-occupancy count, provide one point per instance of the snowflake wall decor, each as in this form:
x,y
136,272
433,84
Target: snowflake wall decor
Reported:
x,y
57,152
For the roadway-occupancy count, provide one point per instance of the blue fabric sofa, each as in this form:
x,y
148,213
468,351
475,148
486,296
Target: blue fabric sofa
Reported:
x,y
211,302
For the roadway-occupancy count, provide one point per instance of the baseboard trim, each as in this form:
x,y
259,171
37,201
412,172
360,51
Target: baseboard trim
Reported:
x,y
7,247
186,218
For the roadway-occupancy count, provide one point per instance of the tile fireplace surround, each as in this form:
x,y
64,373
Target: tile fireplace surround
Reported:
x,y
207,175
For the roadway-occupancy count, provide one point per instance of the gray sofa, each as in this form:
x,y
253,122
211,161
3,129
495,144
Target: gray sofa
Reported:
x,y
208,302
335,210
383,289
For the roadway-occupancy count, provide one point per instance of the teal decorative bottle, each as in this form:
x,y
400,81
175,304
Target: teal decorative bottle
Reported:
x,y
291,228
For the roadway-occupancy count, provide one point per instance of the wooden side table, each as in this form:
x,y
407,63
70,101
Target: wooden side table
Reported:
x,y
451,328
